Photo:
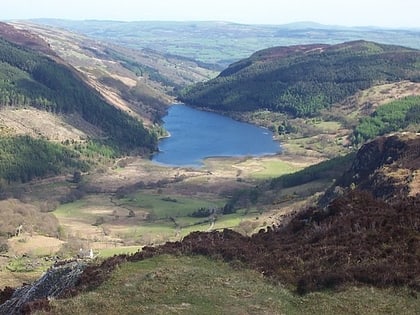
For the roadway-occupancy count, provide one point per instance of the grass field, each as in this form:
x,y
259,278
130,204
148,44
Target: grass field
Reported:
x,y
109,252
328,126
156,217
275,168
168,206
73,209
152,216
198,285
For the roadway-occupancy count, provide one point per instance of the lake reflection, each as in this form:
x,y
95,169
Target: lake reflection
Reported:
x,y
196,135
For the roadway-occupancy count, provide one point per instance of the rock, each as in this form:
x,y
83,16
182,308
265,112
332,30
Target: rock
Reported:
x,y
53,283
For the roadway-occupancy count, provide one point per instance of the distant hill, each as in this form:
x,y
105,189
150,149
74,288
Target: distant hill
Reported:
x,y
302,80
223,43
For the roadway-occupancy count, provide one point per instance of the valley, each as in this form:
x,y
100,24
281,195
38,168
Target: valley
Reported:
x,y
100,191
139,203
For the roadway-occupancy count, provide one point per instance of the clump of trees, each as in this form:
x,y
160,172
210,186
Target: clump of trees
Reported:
x,y
204,212
387,118
327,170
17,217
23,158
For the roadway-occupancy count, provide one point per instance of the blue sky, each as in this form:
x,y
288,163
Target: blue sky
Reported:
x,y
387,13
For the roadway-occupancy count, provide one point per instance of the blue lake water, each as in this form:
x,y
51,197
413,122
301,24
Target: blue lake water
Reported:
x,y
196,135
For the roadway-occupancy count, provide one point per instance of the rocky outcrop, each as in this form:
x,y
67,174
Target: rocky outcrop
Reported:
x,y
52,284
387,167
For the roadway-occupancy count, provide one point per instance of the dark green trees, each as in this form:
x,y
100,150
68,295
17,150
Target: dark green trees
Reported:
x,y
388,118
23,158
301,80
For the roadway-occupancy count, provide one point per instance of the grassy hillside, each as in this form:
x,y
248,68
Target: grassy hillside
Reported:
x,y
198,285
302,80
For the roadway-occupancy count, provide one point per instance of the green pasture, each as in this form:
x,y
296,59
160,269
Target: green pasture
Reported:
x,y
162,206
199,285
275,168
109,252
73,209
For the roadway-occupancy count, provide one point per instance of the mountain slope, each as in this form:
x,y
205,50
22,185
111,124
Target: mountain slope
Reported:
x,y
387,167
32,79
357,239
43,97
140,82
302,80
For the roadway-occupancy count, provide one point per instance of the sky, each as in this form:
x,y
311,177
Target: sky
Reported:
x,y
384,13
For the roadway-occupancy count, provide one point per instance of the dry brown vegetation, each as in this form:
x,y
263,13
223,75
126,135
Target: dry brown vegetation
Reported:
x,y
38,123
15,213
357,238
368,100
387,167
25,38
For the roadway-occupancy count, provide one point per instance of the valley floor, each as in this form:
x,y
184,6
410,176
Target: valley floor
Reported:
x,y
137,202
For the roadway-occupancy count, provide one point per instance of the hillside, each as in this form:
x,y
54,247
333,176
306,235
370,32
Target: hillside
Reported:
x,y
303,80
141,82
356,251
30,78
102,100
387,167
357,240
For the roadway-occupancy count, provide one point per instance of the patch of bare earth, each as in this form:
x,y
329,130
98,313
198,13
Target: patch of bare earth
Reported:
x,y
367,101
38,123
113,97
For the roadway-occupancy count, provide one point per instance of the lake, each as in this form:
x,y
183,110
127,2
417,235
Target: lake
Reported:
x,y
196,135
